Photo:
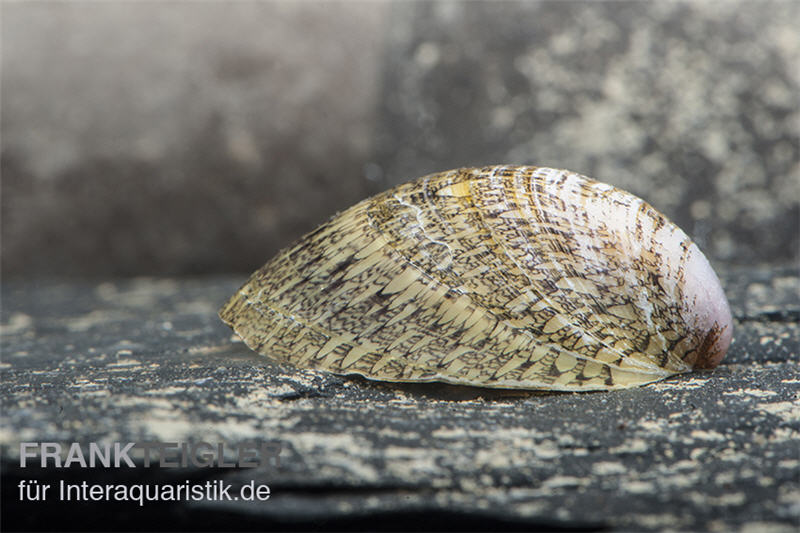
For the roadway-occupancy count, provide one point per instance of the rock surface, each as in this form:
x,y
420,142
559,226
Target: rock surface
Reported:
x,y
148,360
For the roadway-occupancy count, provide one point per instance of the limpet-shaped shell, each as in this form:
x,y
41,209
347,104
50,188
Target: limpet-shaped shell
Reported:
x,y
502,276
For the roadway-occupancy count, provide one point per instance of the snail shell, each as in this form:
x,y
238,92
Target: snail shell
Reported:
x,y
500,276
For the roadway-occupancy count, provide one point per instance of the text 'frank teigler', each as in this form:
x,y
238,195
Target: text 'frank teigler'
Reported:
x,y
149,453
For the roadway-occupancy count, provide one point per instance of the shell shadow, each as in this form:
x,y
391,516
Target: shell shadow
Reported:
x,y
435,390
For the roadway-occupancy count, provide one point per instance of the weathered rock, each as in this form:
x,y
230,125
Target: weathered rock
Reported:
x,y
148,359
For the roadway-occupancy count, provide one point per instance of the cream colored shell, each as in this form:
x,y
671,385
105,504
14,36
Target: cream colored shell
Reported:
x,y
508,277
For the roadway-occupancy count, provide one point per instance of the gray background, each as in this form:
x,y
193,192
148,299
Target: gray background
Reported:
x,y
185,138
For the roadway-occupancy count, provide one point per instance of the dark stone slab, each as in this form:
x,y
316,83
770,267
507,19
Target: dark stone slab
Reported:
x,y
148,360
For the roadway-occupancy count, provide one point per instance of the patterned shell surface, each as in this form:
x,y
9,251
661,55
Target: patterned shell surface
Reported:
x,y
503,276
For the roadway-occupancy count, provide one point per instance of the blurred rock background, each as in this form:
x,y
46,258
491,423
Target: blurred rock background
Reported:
x,y
186,138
